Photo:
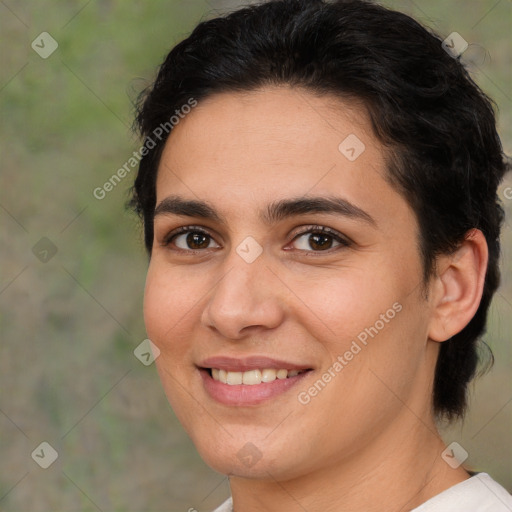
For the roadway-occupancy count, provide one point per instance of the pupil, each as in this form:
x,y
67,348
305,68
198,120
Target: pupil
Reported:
x,y
316,237
193,239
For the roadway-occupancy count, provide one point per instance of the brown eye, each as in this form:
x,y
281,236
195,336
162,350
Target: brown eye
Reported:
x,y
189,239
319,239
195,240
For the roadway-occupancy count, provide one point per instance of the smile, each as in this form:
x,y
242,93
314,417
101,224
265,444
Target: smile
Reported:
x,y
250,380
252,377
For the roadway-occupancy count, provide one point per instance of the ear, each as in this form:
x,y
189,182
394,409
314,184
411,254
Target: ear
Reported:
x,y
458,286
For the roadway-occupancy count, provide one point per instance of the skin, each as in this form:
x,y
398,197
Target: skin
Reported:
x,y
368,438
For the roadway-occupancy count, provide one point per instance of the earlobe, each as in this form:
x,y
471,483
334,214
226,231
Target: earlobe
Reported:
x,y
458,287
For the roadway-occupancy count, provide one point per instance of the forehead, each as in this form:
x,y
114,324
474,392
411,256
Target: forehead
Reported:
x,y
243,150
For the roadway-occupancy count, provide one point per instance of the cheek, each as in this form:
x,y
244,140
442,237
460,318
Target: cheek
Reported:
x,y
373,322
340,304
167,309
167,302
156,308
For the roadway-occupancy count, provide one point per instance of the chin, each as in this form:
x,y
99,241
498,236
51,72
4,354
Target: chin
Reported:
x,y
244,459
231,465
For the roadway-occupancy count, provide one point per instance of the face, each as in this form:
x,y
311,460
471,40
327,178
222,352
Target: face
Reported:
x,y
300,258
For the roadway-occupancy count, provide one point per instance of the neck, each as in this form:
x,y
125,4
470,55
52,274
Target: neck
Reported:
x,y
398,471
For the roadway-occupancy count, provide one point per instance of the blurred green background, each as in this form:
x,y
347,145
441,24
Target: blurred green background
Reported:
x,y
69,325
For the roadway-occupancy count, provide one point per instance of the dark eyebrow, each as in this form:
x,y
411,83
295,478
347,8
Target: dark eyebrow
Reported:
x,y
275,212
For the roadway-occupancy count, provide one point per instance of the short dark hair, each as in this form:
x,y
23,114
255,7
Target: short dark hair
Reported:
x,y
439,127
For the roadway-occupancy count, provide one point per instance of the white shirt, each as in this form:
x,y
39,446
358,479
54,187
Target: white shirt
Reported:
x,y
480,493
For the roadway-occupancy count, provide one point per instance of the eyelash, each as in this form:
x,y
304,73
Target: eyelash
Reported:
x,y
312,229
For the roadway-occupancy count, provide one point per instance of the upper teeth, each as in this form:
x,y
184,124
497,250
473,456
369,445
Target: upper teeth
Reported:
x,y
252,376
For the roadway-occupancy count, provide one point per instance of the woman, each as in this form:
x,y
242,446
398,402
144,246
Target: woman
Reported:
x,y
318,189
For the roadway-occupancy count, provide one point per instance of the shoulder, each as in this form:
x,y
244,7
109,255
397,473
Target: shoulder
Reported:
x,y
227,506
480,493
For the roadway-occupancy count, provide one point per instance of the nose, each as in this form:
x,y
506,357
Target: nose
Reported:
x,y
247,298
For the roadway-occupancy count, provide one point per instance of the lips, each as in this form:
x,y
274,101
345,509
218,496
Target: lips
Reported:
x,y
232,364
249,381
